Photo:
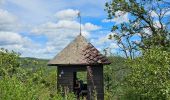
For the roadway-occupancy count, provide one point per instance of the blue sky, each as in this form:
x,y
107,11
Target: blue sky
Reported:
x,y
42,28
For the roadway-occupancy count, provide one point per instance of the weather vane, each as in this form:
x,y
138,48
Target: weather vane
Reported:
x,y
79,16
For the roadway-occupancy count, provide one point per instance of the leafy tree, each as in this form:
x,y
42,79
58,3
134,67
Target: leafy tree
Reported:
x,y
9,62
148,24
34,83
149,76
146,32
114,75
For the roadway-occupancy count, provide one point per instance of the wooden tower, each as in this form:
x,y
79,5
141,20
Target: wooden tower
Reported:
x,y
80,55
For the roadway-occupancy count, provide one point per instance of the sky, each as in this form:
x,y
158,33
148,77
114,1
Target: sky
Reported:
x,y
42,28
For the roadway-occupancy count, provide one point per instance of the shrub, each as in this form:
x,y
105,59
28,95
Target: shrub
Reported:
x,y
149,76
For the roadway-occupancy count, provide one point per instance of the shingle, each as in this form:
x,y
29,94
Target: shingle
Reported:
x,y
79,51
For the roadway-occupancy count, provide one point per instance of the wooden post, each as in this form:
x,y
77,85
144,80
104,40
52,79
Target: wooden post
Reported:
x,y
95,83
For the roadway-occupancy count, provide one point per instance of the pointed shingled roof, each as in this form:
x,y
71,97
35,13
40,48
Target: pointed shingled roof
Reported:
x,y
79,52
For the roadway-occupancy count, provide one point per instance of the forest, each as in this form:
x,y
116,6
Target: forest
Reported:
x,y
141,72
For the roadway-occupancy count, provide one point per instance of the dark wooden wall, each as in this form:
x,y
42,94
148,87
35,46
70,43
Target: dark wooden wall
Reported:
x,y
96,83
66,80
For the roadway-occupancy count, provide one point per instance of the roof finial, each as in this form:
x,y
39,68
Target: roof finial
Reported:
x,y
79,16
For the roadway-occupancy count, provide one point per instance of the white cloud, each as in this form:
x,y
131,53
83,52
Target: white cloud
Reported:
x,y
147,31
67,24
64,28
114,45
120,17
90,27
61,29
8,22
104,39
102,42
34,12
167,13
68,14
9,38
14,41
60,33
107,20
153,14
12,38
23,45
157,24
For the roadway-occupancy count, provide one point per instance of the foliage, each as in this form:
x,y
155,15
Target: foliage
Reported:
x,y
9,62
21,82
27,62
82,76
149,76
12,88
144,39
114,75
148,24
145,77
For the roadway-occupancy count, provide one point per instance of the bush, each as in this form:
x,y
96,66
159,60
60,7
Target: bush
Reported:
x,y
114,75
20,83
9,62
149,76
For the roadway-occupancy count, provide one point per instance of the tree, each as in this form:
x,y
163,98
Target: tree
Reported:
x,y
146,32
149,76
9,62
114,75
32,83
148,24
